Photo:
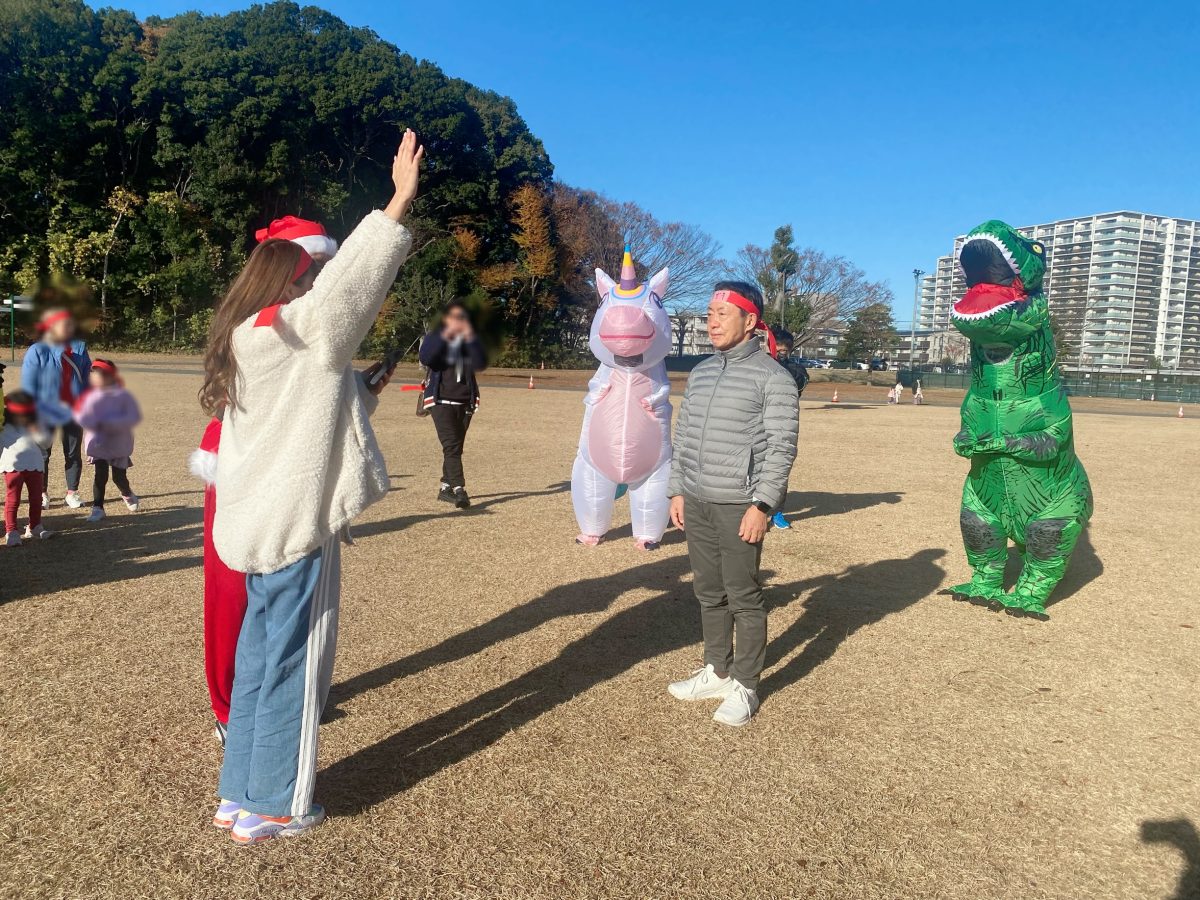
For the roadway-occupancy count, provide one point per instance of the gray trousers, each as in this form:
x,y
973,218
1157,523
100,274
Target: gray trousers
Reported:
x,y
725,579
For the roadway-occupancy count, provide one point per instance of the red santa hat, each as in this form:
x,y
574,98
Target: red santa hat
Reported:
x,y
308,234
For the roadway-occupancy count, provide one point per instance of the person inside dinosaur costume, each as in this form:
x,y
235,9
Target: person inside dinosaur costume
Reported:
x,y
1025,483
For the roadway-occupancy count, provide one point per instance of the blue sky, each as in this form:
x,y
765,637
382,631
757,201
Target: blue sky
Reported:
x,y
878,130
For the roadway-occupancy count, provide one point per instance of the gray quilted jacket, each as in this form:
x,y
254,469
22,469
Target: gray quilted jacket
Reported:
x,y
737,429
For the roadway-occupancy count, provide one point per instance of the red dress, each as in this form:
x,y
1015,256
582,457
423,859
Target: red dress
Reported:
x,y
224,589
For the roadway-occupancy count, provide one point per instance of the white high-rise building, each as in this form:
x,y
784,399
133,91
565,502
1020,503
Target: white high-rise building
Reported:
x,y
1124,286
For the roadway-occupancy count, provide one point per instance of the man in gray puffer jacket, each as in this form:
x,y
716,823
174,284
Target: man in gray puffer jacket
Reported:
x,y
735,443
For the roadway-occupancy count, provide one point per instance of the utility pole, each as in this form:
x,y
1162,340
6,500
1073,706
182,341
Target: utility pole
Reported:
x,y
912,334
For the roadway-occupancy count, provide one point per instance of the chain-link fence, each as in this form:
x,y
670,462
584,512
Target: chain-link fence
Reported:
x,y
1167,387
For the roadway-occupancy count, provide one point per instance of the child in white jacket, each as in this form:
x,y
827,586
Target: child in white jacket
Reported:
x,y
298,461
22,444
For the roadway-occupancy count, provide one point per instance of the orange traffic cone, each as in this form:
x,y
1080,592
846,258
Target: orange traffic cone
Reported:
x,y
1179,415
531,382
835,399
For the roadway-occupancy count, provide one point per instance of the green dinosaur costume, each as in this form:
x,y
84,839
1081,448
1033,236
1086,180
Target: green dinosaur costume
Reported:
x,y
1025,483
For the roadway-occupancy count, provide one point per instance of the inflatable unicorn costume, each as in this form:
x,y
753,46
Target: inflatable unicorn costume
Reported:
x,y
626,439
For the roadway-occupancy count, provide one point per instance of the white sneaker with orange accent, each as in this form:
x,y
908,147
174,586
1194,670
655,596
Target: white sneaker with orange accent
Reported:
x,y
251,828
227,814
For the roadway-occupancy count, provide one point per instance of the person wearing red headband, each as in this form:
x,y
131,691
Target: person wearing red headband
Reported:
x,y
55,370
735,443
21,462
108,413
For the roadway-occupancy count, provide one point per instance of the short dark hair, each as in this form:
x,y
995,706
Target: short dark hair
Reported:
x,y
746,289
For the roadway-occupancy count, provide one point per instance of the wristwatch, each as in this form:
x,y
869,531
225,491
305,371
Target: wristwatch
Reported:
x,y
763,508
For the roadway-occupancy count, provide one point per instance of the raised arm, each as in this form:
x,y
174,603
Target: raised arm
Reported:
x,y
337,313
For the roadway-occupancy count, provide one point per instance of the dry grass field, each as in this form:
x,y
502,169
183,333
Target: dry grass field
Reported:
x,y
500,725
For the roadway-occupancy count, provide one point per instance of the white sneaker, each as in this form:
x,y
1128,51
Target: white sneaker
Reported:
x,y
41,532
738,707
96,514
251,828
131,502
12,539
703,685
72,499
45,501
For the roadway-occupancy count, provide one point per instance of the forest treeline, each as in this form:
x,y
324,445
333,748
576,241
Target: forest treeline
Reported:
x,y
137,159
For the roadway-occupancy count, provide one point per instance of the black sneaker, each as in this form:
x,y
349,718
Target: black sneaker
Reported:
x,y
461,500
446,494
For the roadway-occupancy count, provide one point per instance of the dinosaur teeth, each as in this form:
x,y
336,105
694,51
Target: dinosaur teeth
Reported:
x,y
954,314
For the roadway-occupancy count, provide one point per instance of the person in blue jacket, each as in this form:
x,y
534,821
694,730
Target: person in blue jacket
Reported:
x,y
453,354
55,371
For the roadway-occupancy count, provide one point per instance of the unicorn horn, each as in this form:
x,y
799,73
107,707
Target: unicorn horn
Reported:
x,y
628,275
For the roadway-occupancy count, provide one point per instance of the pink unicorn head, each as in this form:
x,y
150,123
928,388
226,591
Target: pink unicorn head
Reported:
x,y
631,329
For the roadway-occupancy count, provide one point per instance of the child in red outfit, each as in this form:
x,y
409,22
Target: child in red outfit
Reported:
x,y
21,461
224,589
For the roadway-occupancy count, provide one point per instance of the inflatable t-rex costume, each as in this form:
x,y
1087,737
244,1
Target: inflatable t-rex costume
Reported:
x,y
626,437
1025,483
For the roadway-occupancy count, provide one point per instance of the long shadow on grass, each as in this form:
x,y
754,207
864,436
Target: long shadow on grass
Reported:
x,y
814,504
1182,835
480,505
842,604
123,547
665,622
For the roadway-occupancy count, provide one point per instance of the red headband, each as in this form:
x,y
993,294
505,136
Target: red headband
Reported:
x,y
302,264
104,366
266,315
52,319
19,409
747,306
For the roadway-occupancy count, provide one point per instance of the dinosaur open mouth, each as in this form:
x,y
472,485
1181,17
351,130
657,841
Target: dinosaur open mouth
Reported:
x,y
993,278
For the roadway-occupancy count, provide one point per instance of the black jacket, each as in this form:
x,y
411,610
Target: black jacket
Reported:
x,y
433,355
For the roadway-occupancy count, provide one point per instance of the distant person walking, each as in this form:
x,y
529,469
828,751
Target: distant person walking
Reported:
x,y
735,443
107,412
453,354
55,371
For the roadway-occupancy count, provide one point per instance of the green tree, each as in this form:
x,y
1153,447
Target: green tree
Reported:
x,y
784,262
869,333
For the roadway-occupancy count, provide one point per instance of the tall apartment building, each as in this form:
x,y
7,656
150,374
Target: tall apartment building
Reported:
x,y
1125,287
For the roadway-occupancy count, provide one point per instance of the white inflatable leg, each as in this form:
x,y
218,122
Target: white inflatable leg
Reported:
x,y
649,506
593,497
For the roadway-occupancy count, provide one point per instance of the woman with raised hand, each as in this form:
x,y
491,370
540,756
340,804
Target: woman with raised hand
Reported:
x,y
298,461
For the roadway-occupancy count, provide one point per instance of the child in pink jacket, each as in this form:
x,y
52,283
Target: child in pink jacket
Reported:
x,y
108,412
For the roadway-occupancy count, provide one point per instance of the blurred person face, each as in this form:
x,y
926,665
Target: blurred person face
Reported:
x,y
728,325
62,331
98,378
455,321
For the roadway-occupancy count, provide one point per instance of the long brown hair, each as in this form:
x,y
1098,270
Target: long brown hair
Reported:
x,y
262,282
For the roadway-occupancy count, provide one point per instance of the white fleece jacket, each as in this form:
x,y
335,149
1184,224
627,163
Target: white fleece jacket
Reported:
x,y
298,458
